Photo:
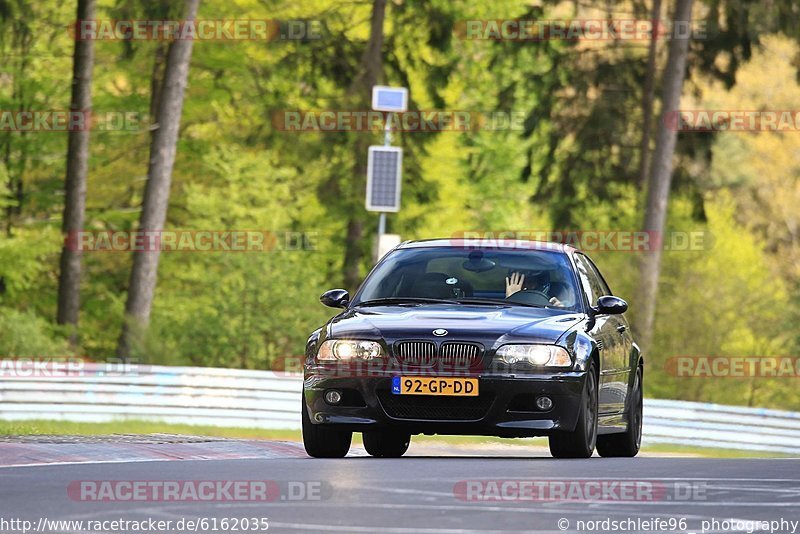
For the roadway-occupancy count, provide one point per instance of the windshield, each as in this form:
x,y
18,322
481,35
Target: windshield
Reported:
x,y
515,277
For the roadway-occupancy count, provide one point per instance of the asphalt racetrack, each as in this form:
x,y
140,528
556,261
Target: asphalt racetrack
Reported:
x,y
430,491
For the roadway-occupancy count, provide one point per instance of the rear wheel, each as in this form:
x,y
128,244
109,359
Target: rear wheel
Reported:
x,y
626,444
580,442
390,444
324,442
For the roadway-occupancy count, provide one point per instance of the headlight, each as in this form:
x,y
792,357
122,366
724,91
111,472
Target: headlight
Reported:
x,y
536,355
348,349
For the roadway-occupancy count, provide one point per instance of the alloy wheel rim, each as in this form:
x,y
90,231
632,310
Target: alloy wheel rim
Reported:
x,y
591,417
638,412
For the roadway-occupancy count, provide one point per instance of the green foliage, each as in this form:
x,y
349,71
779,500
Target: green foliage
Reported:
x,y
28,287
27,335
26,267
704,314
572,165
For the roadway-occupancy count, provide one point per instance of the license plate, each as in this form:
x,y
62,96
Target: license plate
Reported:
x,y
423,385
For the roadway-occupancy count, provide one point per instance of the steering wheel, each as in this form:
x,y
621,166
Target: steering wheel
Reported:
x,y
531,296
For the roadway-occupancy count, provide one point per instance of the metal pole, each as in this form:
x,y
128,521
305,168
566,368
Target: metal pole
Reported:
x,y
387,130
387,141
381,225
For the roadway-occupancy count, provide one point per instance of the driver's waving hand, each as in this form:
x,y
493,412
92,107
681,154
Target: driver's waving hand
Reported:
x,y
516,283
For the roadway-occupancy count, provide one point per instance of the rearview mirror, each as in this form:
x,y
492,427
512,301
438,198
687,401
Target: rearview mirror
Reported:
x,y
611,305
335,298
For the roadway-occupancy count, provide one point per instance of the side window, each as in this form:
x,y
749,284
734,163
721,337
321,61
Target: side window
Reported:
x,y
600,280
591,280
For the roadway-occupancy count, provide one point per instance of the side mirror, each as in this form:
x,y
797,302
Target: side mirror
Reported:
x,y
611,305
335,298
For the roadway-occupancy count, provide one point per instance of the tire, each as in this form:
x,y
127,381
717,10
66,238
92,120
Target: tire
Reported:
x,y
321,441
580,443
386,444
626,444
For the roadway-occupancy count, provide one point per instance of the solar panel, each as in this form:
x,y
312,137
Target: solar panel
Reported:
x,y
393,99
384,172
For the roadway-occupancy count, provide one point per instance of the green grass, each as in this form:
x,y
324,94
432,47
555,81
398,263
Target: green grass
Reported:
x,y
41,427
670,449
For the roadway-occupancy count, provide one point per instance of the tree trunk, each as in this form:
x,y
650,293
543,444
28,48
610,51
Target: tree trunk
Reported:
x,y
157,81
77,168
661,178
360,91
156,196
648,93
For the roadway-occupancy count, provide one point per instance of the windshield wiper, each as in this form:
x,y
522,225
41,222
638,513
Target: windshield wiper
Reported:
x,y
404,300
494,302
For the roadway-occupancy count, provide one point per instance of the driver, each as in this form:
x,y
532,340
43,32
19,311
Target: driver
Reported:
x,y
536,281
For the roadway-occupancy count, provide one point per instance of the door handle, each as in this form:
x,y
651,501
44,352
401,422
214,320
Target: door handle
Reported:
x,y
621,328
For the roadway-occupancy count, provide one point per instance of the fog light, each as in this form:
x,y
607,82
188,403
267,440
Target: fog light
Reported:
x,y
544,403
333,396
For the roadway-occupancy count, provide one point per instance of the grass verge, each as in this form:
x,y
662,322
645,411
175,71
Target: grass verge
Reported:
x,y
42,427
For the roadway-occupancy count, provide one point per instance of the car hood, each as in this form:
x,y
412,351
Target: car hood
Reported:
x,y
489,325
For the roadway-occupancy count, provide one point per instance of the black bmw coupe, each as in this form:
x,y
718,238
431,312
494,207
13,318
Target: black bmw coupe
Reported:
x,y
460,337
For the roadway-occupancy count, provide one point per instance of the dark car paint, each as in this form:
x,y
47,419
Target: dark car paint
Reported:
x,y
585,334
462,321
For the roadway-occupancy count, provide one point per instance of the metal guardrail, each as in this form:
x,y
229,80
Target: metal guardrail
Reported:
x,y
179,395
715,425
271,400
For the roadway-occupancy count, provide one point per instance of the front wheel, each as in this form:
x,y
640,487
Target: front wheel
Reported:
x,y
324,442
626,445
386,444
580,442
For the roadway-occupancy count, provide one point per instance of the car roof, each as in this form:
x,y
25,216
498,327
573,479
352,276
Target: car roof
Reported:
x,y
489,242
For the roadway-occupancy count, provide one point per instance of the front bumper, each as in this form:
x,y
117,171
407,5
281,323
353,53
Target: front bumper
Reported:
x,y
505,406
